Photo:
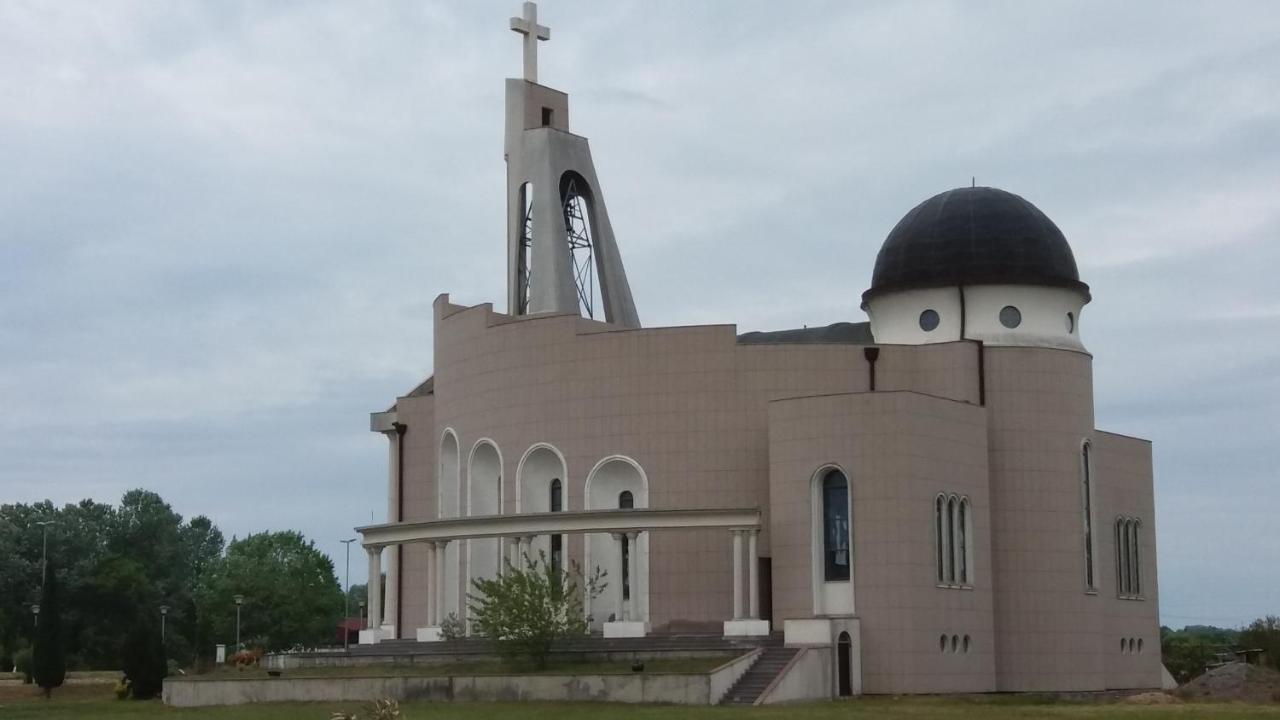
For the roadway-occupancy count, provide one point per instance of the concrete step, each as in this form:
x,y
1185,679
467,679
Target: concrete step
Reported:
x,y
756,680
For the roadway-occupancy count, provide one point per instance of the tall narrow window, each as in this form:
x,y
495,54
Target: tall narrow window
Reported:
x,y
1086,481
557,541
962,544
835,526
524,260
626,501
939,508
1136,525
951,536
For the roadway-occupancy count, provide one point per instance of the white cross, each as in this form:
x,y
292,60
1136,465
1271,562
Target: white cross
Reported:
x,y
533,32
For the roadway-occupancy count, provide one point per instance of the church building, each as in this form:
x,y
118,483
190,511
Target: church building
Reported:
x,y
922,496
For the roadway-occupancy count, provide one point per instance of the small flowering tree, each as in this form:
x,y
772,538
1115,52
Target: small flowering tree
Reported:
x,y
526,609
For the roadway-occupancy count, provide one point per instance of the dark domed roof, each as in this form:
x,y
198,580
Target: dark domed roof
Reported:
x,y
974,236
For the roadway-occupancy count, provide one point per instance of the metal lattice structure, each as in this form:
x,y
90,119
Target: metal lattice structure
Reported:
x,y
526,246
578,233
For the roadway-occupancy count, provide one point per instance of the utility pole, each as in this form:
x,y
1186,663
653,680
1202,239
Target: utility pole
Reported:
x,y
44,552
239,599
346,599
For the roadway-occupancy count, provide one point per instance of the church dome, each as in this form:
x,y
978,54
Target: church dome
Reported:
x,y
974,236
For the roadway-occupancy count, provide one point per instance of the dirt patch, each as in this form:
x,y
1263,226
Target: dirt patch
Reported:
x,y
1152,698
1235,681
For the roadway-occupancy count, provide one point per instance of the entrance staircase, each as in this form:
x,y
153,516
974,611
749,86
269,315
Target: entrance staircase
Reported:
x,y
766,669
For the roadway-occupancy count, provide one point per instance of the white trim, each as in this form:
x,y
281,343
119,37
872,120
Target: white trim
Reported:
x,y
817,565
440,479
544,523
640,554
471,460
520,472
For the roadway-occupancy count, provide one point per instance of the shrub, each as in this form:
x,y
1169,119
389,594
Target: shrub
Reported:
x,y
384,709
22,660
451,628
526,609
144,663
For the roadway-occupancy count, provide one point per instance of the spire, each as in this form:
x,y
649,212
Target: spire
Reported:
x,y
528,26
561,253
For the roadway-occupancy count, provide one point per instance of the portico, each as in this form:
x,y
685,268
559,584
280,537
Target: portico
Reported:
x,y
626,528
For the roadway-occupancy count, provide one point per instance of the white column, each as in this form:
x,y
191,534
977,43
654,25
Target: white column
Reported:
x,y
430,584
619,612
639,582
753,575
633,606
392,599
439,588
737,574
374,590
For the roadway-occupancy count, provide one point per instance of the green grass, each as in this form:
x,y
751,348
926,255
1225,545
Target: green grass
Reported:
x,y
479,667
93,701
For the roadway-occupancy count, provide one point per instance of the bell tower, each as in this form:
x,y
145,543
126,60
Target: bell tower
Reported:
x,y
561,253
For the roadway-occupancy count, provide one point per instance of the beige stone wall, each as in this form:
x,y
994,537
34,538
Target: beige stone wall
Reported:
x,y
1123,468
899,450
697,411
419,504
689,404
1049,630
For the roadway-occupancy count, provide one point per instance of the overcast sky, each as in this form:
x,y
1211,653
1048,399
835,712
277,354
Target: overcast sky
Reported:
x,y
222,224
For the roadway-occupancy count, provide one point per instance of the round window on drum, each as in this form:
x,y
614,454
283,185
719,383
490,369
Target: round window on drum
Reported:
x,y
1010,316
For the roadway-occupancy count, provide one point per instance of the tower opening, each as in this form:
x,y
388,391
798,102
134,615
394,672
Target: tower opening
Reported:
x,y
525,259
575,198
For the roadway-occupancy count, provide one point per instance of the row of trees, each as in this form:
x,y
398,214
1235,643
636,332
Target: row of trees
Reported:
x,y
117,565
1188,651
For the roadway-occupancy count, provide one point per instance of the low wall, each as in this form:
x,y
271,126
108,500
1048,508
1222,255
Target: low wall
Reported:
x,y
298,661
684,689
807,677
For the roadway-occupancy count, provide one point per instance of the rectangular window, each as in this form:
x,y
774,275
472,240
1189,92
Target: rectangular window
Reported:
x,y
835,504
1086,483
546,117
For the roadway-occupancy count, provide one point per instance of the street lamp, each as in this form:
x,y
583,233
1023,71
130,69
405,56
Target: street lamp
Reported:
x,y
239,599
361,613
346,599
44,552
35,614
164,612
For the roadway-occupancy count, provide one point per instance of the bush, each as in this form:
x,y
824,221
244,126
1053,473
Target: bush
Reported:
x,y
22,659
144,663
451,628
525,610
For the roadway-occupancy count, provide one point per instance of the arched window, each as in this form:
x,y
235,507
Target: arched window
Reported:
x,y
626,502
953,534
556,503
939,506
1086,491
835,526
1128,558
844,665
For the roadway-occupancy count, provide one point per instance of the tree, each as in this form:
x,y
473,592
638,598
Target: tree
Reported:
x,y
291,595
1264,634
49,656
526,609
143,660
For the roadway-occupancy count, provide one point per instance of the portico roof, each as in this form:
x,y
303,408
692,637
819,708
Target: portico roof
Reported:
x,y
544,523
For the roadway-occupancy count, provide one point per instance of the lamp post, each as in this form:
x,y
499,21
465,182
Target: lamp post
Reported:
x,y
361,613
164,612
239,599
346,599
44,550
35,614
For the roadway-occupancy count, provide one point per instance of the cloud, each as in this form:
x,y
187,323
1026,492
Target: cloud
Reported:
x,y
225,222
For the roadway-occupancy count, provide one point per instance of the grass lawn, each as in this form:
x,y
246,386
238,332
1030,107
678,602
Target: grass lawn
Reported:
x,y
96,701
